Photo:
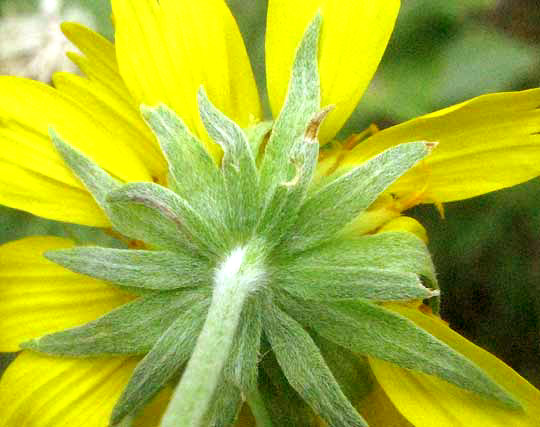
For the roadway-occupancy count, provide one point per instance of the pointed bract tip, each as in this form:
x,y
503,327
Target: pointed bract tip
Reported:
x,y
57,142
146,109
52,255
149,110
30,344
201,93
52,133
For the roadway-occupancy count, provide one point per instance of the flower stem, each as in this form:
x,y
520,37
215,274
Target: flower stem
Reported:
x,y
238,276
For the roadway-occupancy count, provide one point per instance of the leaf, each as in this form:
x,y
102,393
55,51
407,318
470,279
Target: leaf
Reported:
x,y
280,400
340,201
281,211
380,267
192,173
238,165
132,328
372,330
163,361
226,407
242,366
158,216
301,105
158,270
306,370
352,372
256,135
98,182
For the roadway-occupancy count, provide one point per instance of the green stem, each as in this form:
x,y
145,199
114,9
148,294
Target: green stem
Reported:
x,y
238,276
258,409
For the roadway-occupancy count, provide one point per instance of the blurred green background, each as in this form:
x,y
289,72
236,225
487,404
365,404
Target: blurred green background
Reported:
x,y
487,250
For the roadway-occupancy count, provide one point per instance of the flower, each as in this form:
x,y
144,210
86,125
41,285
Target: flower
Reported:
x,y
163,55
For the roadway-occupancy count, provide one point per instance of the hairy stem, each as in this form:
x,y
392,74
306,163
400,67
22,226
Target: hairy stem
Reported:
x,y
236,278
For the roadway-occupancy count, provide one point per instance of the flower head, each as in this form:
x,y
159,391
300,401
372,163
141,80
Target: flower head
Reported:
x,y
259,271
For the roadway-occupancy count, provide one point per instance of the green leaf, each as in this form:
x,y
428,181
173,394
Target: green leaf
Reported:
x,y
306,370
292,150
375,331
192,172
336,204
158,270
226,406
133,328
327,283
282,209
280,400
256,135
242,366
163,362
238,165
98,182
158,216
352,372
301,104
382,267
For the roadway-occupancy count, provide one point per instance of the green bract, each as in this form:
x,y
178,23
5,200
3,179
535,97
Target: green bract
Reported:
x,y
249,289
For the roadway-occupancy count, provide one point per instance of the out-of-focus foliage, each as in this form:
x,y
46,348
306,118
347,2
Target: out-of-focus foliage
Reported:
x,y
101,9
441,53
487,250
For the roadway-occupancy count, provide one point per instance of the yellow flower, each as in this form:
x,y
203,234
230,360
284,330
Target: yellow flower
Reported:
x,y
164,52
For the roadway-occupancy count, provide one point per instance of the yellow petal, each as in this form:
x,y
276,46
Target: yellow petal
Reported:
x,y
166,51
485,144
379,411
426,401
35,170
406,223
99,60
354,36
106,96
44,391
123,121
45,195
152,413
38,297
37,106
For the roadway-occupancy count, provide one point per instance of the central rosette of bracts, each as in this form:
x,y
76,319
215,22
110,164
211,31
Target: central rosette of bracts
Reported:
x,y
251,285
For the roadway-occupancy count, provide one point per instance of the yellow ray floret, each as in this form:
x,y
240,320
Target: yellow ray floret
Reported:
x,y
38,297
378,410
121,119
423,398
98,59
45,391
28,110
353,39
176,54
485,144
